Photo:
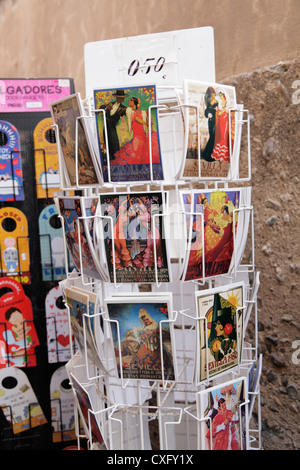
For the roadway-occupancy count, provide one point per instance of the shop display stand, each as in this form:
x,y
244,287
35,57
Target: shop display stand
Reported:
x,y
169,407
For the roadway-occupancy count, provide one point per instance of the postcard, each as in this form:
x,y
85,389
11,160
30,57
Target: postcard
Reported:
x,y
87,414
79,159
93,305
211,232
128,134
134,239
78,304
220,329
78,243
223,413
210,129
142,333
90,209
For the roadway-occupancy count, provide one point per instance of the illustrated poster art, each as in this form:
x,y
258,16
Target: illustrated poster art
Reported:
x,y
57,326
126,139
18,337
81,326
217,228
14,245
224,425
220,329
214,127
18,401
137,237
71,211
11,174
63,419
65,113
140,355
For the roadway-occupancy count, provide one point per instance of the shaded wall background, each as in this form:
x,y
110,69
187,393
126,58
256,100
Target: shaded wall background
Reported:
x,y
257,49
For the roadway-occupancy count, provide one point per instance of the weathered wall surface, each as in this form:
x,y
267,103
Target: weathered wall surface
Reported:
x,y
257,45
43,38
272,95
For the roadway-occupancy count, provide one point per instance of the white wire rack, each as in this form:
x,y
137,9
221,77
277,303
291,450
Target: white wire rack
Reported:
x,y
137,414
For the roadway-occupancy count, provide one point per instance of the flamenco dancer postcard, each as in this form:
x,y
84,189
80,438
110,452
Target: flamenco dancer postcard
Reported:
x,y
134,238
214,127
127,129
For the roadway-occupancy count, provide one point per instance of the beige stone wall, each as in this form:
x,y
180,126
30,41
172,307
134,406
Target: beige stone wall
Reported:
x,y
41,38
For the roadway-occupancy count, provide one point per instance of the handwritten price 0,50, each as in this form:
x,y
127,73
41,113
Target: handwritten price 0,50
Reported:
x,y
146,67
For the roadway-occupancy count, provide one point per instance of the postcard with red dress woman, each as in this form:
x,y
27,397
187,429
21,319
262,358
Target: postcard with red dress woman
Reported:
x,y
220,314
223,412
211,237
128,137
134,238
210,129
75,143
142,334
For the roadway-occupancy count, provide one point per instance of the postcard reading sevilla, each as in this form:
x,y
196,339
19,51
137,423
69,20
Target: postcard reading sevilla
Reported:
x,y
142,336
208,120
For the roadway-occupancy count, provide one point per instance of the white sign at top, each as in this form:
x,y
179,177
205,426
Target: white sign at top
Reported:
x,y
163,59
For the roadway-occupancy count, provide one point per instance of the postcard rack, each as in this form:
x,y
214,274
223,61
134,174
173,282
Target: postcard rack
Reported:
x,y
172,399
23,441
123,411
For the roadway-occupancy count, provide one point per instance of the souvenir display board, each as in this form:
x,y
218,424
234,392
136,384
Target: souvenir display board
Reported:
x,y
28,180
